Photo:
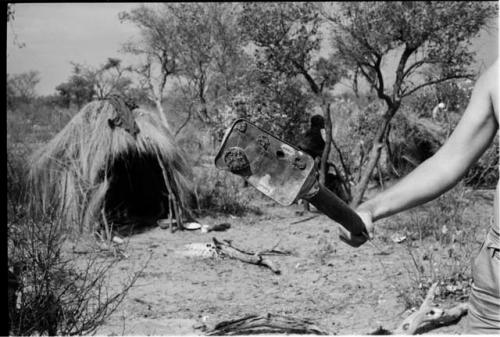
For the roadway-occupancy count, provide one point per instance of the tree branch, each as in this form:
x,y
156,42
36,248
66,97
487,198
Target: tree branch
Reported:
x,y
400,73
416,65
380,90
380,93
226,248
307,76
365,74
188,118
429,316
406,93
266,324
342,162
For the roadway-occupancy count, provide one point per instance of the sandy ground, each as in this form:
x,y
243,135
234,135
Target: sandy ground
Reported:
x,y
342,289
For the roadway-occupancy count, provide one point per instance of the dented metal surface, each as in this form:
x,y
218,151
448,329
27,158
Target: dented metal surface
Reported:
x,y
274,167
236,159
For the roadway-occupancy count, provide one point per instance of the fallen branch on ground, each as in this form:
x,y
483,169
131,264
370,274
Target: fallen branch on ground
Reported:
x,y
427,317
304,220
275,252
227,249
265,324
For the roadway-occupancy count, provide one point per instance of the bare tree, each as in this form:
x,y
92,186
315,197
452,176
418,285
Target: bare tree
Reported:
x,y
111,78
431,41
288,39
159,49
210,54
21,87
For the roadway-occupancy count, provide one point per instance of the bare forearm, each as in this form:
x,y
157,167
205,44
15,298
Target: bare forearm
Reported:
x,y
469,140
425,183
434,176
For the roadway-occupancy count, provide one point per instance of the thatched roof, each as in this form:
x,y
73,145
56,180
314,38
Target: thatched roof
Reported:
x,y
110,160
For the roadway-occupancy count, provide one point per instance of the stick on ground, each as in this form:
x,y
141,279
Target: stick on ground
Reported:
x,y
266,324
427,317
226,248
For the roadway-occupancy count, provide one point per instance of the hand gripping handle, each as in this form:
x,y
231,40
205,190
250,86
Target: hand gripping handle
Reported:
x,y
328,203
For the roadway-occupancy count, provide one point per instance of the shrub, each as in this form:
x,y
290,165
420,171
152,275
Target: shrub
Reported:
x,y
221,192
417,135
36,122
17,173
484,173
355,138
440,244
50,292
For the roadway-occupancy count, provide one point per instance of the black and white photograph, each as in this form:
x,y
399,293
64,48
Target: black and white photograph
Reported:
x,y
252,168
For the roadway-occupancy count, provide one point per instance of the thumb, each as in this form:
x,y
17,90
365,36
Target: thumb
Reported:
x,y
366,217
370,229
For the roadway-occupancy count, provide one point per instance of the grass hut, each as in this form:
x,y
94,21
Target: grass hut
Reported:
x,y
114,164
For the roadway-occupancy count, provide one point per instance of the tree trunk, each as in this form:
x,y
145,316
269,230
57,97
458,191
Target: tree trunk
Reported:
x,y
326,151
163,118
203,112
346,177
373,157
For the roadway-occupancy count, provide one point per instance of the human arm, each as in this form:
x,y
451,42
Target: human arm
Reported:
x,y
444,169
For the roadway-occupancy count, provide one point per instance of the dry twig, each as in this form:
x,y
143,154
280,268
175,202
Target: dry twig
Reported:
x,y
265,324
236,253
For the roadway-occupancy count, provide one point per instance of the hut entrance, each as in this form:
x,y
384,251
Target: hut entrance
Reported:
x,y
137,195
131,149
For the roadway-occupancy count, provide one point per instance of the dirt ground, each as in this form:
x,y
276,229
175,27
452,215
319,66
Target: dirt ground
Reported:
x,y
342,289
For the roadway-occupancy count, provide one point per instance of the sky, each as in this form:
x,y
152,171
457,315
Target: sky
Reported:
x,y
55,34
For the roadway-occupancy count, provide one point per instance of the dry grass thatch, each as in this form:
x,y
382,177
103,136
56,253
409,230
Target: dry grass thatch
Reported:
x,y
113,161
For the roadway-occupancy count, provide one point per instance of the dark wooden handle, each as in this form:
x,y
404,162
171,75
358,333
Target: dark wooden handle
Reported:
x,y
328,203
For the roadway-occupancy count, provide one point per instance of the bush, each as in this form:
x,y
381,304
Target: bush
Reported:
x,y
36,122
484,173
440,243
17,173
50,292
221,192
417,135
355,137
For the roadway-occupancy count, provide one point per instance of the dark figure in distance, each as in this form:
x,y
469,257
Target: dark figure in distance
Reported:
x,y
313,144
